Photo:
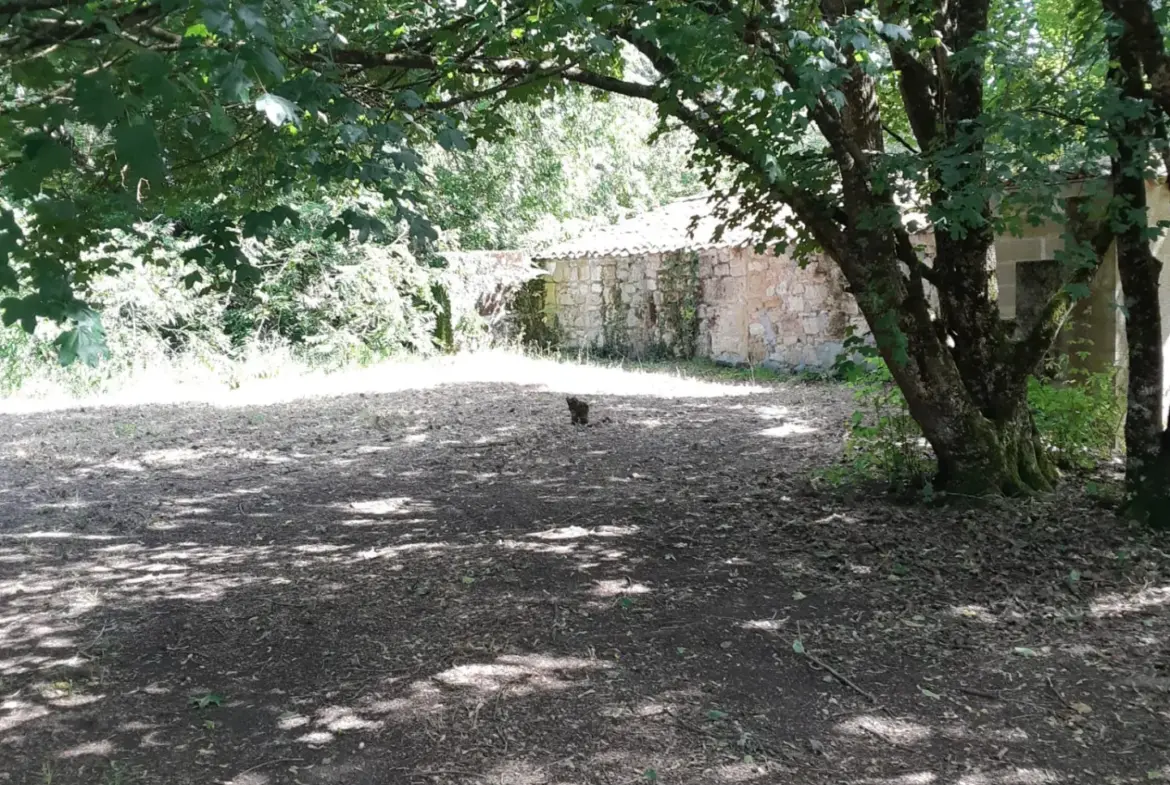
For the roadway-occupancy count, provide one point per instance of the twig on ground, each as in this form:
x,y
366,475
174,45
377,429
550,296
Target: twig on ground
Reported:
x,y
1056,692
979,693
848,682
268,763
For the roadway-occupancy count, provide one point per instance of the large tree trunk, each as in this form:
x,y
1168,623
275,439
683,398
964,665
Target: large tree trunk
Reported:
x,y
1147,442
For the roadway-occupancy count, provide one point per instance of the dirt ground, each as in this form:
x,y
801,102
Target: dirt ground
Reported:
x,y
446,582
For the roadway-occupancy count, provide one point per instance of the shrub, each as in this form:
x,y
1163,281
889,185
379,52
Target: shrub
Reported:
x,y
882,441
1079,414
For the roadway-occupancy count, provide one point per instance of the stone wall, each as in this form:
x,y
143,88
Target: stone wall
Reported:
x,y
727,304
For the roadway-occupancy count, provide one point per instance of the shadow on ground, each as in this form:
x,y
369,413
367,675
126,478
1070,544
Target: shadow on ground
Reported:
x,y
453,585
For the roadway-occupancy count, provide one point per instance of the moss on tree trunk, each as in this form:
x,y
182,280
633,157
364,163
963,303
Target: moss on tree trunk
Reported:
x,y
982,457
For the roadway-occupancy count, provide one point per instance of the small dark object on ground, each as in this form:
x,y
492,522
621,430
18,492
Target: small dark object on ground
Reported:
x,y
578,410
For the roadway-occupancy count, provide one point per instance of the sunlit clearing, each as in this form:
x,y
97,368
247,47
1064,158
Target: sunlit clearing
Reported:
x,y
773,412
788,429
884,727
499,367
618,588
1117,604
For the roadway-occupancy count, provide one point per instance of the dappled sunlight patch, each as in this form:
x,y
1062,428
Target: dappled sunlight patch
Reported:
x,y
339,719
316,737
75,701
428,549
14,713
619,587
539,547
175,456
764,625
102,749
975,612
513,675
885,727
578,532
51,535
391,505
741,771
788,429
515,772
1018,776
1148,598
915,778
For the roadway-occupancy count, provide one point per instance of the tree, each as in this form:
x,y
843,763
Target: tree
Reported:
x,y
1141,71
563,162
106,122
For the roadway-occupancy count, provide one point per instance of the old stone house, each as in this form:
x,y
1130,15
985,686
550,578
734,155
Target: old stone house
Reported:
x,y
650,286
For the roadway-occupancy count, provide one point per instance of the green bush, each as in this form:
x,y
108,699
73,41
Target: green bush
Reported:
x,y
882,441
1079,415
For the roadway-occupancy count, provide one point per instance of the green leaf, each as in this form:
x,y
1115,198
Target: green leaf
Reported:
x,y
43,157
235,85
85,341
218,20
278,110
221,121
715,714
1077,291
452,139
650,775
1024,651
601,44
204,701
798,646
137,147
96,101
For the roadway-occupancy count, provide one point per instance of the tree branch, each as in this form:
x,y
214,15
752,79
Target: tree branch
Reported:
x,y
1097,234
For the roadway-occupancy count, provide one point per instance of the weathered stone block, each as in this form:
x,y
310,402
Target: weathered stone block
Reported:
x,y
737,265
755,329
722,270
811,323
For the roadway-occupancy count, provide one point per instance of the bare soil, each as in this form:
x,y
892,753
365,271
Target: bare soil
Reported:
x,y
452,584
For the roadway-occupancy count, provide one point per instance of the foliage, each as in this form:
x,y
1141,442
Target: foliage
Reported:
x,y
1079,414
566,162
678,317
882,441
